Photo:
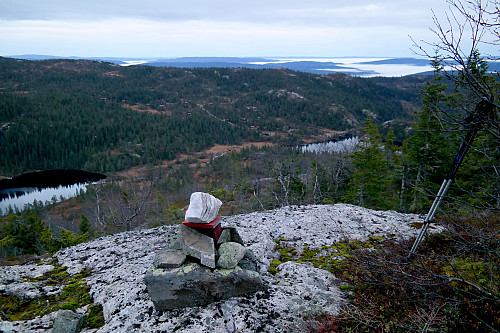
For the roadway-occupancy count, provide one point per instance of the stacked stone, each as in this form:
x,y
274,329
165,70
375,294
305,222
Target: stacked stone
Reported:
x,y
203,262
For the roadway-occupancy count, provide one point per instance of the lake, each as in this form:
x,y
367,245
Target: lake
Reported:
x,y
46,187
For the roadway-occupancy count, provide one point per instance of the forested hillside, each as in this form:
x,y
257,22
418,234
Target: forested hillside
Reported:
x,y
102,117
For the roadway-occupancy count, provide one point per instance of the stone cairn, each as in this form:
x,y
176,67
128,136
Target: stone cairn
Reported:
x,y
203,262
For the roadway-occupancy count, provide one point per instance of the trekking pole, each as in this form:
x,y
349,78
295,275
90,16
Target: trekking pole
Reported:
x,y
484,111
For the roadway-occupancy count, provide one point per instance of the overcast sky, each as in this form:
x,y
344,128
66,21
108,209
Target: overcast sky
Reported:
x,y
163,28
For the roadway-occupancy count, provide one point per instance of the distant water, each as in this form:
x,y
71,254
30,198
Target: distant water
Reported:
x,y
44,187
343,146
365,67
356,66
22,197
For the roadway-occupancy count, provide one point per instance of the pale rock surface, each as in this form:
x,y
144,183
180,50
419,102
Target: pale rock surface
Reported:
x,y
203,208
10,274
119,264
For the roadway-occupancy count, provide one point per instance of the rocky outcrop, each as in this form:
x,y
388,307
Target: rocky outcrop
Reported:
x,y
119,264
13,281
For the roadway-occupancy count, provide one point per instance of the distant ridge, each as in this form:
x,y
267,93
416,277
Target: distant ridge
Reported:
x,y
358,66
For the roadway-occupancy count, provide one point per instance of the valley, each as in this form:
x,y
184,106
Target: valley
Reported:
x,y
322,174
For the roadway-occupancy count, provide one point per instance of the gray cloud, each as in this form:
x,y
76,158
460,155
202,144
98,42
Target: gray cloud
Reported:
x,y
223,27
319,12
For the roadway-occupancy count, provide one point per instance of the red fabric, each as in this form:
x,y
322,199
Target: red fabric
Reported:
x,y
212,229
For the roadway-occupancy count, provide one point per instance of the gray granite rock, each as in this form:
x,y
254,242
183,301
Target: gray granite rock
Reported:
x,y
195,285
230,254
66,321
197,245
119,264
169,259
10,274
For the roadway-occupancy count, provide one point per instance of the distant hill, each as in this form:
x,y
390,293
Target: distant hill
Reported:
x,y
353,66
101,117
363,67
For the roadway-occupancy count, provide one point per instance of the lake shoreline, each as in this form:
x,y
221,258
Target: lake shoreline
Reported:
x,y
50,178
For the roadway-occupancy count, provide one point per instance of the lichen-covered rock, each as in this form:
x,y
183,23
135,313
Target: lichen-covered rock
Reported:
x,y
119,264
230,254
229,234
195,285
225,236
11,274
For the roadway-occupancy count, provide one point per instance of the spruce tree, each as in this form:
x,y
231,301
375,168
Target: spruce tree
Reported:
x,y
85,226
429,147
370,183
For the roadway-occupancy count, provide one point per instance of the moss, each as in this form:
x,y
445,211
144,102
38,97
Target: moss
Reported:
x,y
75,294
286,254
272,268
53,261
329,258
375,239
95,316
356,244
279,240
345,288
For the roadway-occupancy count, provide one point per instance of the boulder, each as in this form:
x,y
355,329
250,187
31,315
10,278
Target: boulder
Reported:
x,y
230,254
66,321
195,285
169,258
203,208
198,245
